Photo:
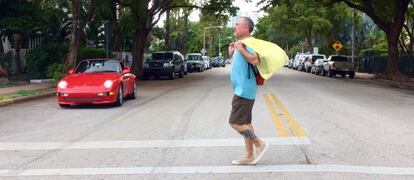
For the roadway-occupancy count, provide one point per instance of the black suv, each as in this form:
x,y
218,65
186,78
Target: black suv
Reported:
x,y
165,63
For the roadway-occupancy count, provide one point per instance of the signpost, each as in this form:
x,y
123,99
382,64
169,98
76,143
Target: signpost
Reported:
x,y
337,46
203,51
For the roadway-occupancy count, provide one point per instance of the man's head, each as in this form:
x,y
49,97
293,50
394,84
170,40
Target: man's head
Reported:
x,y
244,26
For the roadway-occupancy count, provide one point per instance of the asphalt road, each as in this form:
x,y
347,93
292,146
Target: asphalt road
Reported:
x,y
318,128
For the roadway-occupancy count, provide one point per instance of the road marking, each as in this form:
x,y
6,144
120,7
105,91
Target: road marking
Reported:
x,y
296,129
281,129
328,168
149,144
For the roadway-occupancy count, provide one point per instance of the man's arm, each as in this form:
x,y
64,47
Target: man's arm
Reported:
x,y
253,58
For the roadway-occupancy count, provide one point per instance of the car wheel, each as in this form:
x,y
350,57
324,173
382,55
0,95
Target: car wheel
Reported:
x,y
329,73
64,105
144,77
172,75
352,75
133,95
343,75
119,99
182,73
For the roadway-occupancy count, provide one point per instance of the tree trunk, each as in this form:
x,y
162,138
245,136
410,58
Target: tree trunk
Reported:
x,y
17,38
140,39
308,42
393,71
185,32
73,45
167,35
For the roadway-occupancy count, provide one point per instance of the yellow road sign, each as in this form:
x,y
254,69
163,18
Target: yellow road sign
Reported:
x,y
337,46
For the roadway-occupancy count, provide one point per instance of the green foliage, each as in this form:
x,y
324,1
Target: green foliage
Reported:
x,y
56,71
88,53
40,58
374,52
19,16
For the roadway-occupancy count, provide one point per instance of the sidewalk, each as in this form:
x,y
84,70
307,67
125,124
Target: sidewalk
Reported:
x,y
42,90
371,78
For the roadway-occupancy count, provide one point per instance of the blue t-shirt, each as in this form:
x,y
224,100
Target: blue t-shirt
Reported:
x,y
243,86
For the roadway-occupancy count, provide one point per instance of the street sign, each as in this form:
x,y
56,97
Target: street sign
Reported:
x,y
203,51
337,46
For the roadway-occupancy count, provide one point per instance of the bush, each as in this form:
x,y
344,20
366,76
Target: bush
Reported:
x,y
56,71
90,53
40,58
374,52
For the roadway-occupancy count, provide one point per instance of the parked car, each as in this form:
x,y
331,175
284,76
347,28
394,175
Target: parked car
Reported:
x,y
165,63
337,64
317,66
97,81
302,61
207,62
290,63
298,59
195,62
308,63
218,62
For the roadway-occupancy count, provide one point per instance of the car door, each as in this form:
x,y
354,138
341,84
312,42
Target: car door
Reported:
x,y
125,78
176,63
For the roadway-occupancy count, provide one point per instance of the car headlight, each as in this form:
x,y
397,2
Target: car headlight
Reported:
x,y
108,84
146,65
167,64
63,84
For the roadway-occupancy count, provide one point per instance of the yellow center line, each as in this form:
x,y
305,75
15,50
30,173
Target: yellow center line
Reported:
x,y
281,129
296,129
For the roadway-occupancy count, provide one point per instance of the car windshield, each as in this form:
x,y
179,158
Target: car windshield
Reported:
x,y
339,58
314,58
194,58
162,56
98,66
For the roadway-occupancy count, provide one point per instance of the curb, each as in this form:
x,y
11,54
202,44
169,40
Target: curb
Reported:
x,y
26,98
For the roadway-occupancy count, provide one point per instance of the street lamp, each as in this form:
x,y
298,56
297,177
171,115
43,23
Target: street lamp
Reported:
x,y
204,43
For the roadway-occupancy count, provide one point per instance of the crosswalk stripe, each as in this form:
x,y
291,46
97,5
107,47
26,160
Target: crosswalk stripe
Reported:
x,y
149,143
327,168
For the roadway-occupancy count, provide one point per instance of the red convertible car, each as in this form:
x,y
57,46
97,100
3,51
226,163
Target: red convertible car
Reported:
x,y
97,81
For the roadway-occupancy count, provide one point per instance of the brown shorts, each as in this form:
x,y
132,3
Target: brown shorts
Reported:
x,y
241,112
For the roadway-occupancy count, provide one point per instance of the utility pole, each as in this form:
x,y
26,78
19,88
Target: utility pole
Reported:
x,y
353,34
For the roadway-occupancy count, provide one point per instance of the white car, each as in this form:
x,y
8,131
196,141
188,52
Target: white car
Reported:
x,y
299,59
207,62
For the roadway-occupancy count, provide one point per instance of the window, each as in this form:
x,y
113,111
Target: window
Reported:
x,y
99,66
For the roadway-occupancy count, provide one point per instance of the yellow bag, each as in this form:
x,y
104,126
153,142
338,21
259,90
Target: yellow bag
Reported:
x,y
272,57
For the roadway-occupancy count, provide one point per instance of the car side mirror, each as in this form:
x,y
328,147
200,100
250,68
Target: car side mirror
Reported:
x,y
126,69
71,71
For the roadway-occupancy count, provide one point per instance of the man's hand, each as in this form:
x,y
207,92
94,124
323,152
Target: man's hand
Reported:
x,y
231,49
239,45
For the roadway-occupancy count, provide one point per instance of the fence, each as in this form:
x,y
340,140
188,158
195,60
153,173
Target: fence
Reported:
x,y
378,64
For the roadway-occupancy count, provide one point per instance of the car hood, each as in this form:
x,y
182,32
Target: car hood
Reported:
x,y
199,62
90,79
159,60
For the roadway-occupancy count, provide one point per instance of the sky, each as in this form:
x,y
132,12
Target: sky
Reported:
x,y
249,9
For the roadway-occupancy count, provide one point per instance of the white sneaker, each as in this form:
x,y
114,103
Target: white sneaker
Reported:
x,y
243,162
260,152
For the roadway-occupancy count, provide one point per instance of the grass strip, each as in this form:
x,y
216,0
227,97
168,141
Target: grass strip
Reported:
x,y
22,93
